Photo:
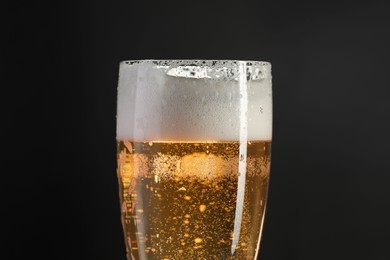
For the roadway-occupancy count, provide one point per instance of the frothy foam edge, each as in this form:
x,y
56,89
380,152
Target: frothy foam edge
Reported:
x,y
154,105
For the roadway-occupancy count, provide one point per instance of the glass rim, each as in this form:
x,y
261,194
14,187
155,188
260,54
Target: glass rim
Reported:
x,y
199,62
207,69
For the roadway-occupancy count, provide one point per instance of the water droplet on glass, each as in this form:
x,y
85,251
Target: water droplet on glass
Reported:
x,y
164,103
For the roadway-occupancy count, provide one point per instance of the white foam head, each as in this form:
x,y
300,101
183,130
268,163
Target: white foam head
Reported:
x,y
186,100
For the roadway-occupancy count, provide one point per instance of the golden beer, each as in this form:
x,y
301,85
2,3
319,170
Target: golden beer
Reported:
x,y
193,200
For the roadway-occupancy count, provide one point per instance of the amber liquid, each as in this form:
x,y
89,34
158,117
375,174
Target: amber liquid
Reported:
x,y
183,200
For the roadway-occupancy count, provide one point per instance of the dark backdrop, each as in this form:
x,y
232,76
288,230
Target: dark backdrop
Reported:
x,y
330,181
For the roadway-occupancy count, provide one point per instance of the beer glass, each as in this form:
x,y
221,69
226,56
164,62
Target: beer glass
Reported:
x,y
194,146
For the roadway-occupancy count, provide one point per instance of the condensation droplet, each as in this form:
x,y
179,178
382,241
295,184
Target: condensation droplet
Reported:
x,y
128,146
202,208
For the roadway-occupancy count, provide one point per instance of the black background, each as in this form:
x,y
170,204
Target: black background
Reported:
x,y
330,181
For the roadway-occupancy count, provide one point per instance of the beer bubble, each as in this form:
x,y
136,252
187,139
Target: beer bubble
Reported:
x,y
202,208
197,240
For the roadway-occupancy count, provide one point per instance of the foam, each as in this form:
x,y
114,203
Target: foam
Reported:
x,y
194,101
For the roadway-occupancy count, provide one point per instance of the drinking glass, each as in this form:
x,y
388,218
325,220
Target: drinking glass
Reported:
x,y
194,151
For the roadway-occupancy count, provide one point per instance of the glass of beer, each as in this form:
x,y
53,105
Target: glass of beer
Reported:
x,y
194,146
